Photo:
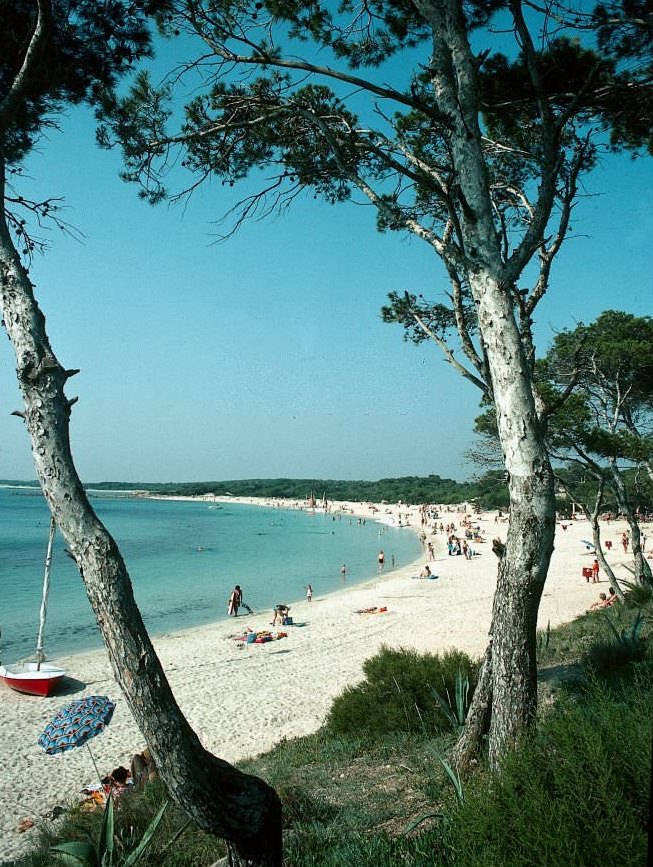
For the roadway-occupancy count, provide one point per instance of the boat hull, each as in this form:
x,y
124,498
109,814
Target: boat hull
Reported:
x,y
29,678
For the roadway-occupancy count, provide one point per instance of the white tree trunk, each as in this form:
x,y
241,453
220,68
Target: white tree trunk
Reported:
x,y
222,800
509,676
529,545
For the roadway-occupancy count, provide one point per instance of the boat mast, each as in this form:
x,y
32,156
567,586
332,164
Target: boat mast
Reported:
x,y
40,654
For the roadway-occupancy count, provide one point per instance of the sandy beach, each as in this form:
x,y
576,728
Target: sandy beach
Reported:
x,y
242,700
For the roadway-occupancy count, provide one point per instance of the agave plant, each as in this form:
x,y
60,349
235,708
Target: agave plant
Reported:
x,y
457,784
103,854
455,710
628,639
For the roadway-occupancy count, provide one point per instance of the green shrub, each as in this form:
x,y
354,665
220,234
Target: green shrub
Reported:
x,y
606,656
625,646
638,595
398,693
574,793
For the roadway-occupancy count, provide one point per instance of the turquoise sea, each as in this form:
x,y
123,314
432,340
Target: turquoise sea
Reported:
x,y
183,558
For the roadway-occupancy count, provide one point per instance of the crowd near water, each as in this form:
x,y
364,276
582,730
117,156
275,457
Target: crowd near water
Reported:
x,y
184,558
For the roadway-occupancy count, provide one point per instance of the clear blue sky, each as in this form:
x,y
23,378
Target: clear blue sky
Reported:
x,y
265,356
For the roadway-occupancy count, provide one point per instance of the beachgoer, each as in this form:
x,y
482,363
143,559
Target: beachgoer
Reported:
x,y
426,571
595,571
612,598
343,570
381,559
309,593
235,601
280,613
601,602
624,542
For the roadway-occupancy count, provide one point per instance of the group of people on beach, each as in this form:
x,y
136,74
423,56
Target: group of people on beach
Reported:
x,y
280,609
457,547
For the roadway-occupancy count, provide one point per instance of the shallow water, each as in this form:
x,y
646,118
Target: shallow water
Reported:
x,y
183,559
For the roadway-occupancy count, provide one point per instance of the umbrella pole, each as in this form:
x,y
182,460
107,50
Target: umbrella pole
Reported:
x,y
40,655
95,766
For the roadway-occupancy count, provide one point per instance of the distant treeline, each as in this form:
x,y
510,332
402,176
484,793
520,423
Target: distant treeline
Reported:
x,y
490,491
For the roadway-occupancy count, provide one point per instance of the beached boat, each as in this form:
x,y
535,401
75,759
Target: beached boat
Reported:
x,y
39,677
32,678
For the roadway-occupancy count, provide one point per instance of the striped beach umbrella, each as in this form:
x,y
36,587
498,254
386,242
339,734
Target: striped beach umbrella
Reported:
x,y
76,723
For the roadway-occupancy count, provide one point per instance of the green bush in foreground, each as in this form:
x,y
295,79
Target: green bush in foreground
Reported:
x,y
575,793
398,693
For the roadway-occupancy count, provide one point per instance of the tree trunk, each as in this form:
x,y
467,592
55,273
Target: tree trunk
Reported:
x,y
593,518
642,569
222,800
529,545
512,700
477,722
522,572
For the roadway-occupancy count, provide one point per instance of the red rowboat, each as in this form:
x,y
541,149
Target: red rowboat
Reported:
x,y
31,678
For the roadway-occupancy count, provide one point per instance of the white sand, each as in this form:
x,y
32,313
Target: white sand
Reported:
x,y
244,699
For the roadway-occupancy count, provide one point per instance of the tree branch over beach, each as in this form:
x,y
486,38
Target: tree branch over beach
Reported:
x,y
86,53
476,153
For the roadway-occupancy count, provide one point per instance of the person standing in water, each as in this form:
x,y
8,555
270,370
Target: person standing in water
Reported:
x,y
381,559
235,601
309,593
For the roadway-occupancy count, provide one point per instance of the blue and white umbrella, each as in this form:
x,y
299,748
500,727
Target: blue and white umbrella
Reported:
x,y
76,723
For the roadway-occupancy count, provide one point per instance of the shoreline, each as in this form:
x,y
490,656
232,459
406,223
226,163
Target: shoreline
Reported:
x,y
243,699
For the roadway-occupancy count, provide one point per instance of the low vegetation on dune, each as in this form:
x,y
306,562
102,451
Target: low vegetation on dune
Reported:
x,y
373,786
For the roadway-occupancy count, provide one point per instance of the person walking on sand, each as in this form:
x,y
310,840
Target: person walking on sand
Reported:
x,y
595,571
381,559
235,601
309,593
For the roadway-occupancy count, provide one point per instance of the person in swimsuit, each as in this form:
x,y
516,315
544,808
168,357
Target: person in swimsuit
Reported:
x,y
280,613
235,601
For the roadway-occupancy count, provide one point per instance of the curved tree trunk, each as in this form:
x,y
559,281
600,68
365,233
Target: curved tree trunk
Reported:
x,y
600,556
593,518
222,800
642,569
